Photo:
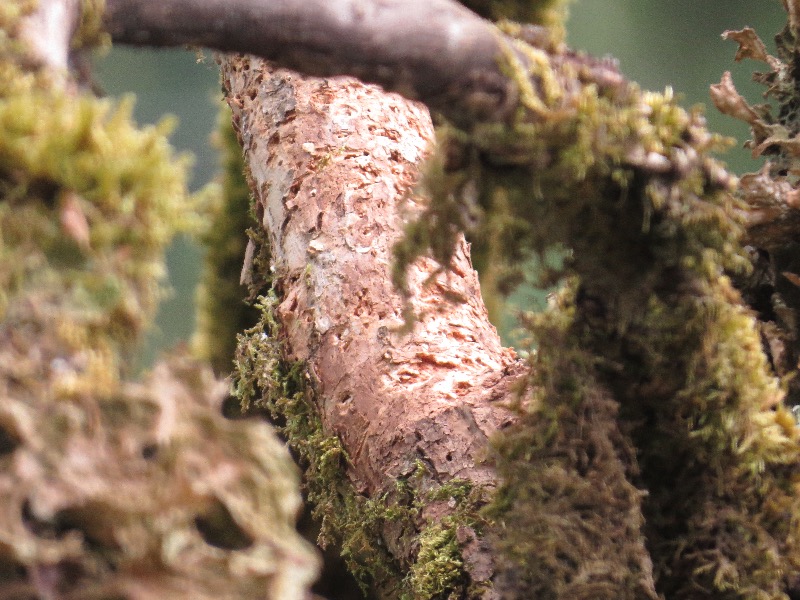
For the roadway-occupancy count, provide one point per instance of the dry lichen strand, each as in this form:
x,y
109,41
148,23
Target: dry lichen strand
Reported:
x,y
348,520
623,178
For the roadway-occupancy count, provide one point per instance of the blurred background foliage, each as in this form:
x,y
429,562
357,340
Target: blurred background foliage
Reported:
x,y
657,43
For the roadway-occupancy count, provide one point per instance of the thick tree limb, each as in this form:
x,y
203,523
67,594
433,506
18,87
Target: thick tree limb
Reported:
x,y
331,189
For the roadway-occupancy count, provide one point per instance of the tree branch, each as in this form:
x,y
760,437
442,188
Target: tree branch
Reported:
x,y
332,198
436,51
624,179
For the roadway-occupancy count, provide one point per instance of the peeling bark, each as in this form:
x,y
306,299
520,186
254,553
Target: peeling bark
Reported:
x,y
332,163
332,201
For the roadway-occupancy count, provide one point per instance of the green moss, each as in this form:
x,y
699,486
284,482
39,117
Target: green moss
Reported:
x,y
362,528
11,13
115,190
121,486
439,565
659,352
549,13
89,202
263,380
91,33
570,521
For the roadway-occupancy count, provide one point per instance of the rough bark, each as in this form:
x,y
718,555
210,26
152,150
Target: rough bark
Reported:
x,y
333,163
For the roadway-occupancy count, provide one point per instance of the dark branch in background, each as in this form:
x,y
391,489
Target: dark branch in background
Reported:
x,y
435,51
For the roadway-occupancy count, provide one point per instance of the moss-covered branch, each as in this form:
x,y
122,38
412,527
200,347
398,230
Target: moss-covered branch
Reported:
x,y
112,488
653,376
623,178
368,531
223,312
391,424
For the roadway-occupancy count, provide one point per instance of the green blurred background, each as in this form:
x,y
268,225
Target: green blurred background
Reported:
x,y
658,44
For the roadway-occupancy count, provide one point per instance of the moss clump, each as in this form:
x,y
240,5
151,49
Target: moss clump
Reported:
x,y
11,14
264,380
572,523
111,488
658,339
89,202
365,529
440,564
222,311
91,33
439,570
